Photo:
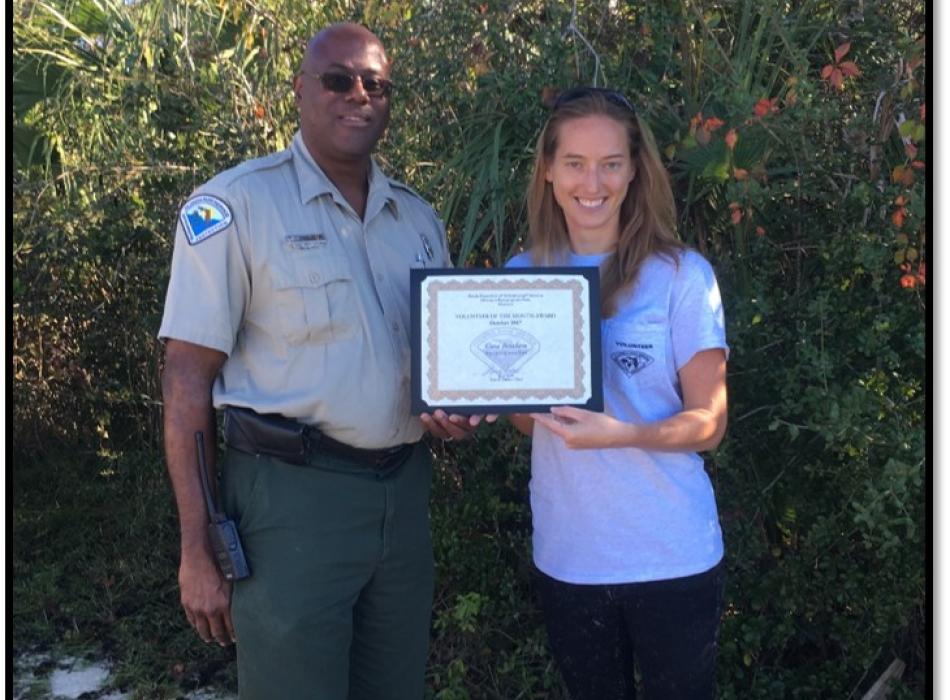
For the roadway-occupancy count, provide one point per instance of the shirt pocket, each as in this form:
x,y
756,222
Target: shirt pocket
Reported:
x,y
636,354
316,298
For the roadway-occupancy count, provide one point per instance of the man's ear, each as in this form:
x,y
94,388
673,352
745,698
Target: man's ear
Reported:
x,y
296,88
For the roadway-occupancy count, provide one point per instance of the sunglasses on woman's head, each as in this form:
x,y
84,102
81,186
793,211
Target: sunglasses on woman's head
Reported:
x,y
340,82
577,93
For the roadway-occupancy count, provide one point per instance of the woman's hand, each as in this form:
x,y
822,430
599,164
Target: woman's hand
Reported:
x,y
582,429
699,426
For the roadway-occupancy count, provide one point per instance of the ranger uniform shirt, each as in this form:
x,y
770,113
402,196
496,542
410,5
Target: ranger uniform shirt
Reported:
x,y
273,267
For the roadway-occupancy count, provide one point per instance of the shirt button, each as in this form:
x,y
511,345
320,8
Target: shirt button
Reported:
x,y
314,277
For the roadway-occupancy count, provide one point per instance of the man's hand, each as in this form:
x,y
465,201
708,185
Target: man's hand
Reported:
x,y
453,427
206,598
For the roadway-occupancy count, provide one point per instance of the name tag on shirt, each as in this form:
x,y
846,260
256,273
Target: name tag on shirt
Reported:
x,y
306,242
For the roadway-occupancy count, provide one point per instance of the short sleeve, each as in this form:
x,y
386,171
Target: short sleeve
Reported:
x,y
697,321
209,287
520,260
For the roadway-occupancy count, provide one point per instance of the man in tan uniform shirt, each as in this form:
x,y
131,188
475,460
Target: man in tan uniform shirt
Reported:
x,y
289,297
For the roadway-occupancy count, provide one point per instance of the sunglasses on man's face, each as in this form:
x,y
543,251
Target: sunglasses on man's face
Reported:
x,y
336,81
577,93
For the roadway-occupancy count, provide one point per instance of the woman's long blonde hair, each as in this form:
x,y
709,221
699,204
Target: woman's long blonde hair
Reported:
x,y
647,214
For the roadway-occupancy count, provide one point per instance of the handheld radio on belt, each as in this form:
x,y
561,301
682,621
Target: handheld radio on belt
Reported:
x,y
222,531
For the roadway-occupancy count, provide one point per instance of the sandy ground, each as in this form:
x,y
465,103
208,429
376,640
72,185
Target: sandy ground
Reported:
x,y
40,677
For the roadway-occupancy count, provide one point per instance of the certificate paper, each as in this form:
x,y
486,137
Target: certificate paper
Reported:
x,y
505,341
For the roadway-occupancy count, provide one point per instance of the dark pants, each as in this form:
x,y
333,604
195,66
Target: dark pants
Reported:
x,y
340,595
670,627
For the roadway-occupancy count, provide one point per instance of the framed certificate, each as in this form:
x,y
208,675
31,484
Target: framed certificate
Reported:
x,y
505,341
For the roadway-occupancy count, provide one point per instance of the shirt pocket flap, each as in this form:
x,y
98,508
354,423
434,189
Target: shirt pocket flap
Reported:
x,y
312,270
315,298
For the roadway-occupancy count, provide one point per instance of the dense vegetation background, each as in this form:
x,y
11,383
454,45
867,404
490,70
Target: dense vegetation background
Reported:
x,y
795,132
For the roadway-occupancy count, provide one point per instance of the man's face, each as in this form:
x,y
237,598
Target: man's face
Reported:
x,y
342,127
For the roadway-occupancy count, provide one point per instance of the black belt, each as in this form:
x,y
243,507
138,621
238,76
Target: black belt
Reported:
x,y
292,441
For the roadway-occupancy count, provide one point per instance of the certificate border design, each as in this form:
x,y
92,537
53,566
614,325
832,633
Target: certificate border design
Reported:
x,y
554,394
535,399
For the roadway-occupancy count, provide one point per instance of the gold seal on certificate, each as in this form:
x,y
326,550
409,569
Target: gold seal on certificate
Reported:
x,y
505,341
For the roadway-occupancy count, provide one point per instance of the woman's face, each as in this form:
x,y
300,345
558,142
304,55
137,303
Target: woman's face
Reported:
x,y
590,173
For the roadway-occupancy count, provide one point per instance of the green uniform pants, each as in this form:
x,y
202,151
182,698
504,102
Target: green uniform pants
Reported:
x,y
338,603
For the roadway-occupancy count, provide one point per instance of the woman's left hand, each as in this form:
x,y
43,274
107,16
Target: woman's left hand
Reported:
x,y
583,429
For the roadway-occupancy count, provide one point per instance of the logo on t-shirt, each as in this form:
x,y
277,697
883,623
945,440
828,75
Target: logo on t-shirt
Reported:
x,y
631,361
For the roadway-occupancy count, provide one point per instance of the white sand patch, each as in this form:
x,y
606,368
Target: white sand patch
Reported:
x,y
72,678
46,677
204,694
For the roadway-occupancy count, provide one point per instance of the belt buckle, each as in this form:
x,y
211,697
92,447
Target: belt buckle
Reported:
x,y
307,443
386,455
382,458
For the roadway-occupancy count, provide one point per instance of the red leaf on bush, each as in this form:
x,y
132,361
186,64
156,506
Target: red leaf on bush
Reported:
x,y
842,51
741,174
918,164
923,111
922,273
908,281
765,106
736,215
911,150
837,79
259,110
897,218
903,176
836,72
732,137
759,231
695,121
712,123
849,68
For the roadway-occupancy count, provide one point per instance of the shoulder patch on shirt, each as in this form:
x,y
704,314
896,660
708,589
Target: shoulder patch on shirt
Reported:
x,y
631,361
203,216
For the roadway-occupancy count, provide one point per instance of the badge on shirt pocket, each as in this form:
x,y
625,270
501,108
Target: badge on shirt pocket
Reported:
x,y
636,352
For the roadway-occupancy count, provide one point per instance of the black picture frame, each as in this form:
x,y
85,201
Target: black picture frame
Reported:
x,y
590,343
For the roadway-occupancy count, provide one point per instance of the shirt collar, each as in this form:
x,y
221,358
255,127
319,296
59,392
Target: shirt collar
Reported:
x,y
314,182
